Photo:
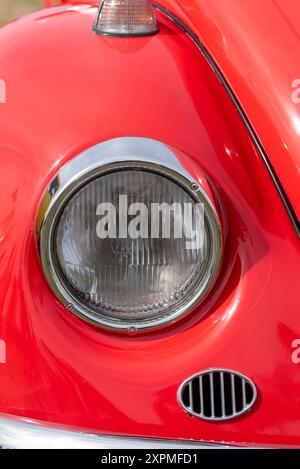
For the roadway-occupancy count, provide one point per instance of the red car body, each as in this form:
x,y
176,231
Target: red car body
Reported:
x,y
224,101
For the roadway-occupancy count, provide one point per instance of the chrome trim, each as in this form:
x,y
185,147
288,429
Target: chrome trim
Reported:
x,y
209,372
258,145
115,155
21,433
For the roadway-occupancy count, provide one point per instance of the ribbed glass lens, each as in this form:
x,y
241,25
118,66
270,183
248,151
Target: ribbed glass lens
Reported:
x,y
126,18
132,246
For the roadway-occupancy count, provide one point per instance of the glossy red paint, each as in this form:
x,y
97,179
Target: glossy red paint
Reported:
x,y
68,89
256,46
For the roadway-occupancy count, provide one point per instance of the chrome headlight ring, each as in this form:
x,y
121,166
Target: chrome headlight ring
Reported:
x,y
122,154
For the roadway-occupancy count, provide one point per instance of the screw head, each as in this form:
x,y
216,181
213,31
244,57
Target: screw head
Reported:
x,y
131,330
195,186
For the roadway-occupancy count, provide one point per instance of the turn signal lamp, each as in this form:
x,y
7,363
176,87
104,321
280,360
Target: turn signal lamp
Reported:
x,y
126,18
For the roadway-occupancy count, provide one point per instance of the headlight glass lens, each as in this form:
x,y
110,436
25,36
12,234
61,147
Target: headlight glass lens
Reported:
x,y
131,248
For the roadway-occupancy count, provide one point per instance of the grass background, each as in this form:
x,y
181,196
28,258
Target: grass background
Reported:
x,y
11,9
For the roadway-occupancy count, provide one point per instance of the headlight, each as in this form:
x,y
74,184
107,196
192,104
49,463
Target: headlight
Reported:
x,y
129,242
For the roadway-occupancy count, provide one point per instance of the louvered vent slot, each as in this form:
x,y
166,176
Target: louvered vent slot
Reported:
x,y
217,395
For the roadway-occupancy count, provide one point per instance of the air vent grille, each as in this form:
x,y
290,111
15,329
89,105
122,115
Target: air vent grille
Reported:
x,y
217,394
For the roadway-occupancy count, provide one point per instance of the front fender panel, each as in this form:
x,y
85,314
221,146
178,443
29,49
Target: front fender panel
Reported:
x,y
68,89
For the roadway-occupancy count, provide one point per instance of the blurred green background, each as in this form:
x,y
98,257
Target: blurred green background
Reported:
x,y
11,9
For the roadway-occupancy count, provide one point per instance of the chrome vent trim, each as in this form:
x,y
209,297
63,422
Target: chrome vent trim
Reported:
x,y
217,394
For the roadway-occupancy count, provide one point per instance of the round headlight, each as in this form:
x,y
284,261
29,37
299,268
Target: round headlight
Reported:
x,y
130,245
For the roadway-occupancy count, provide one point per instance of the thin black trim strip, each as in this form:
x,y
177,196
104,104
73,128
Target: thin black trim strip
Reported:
x,y
289,208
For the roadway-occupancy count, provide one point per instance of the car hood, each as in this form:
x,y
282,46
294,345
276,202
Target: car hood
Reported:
x,y
256,46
